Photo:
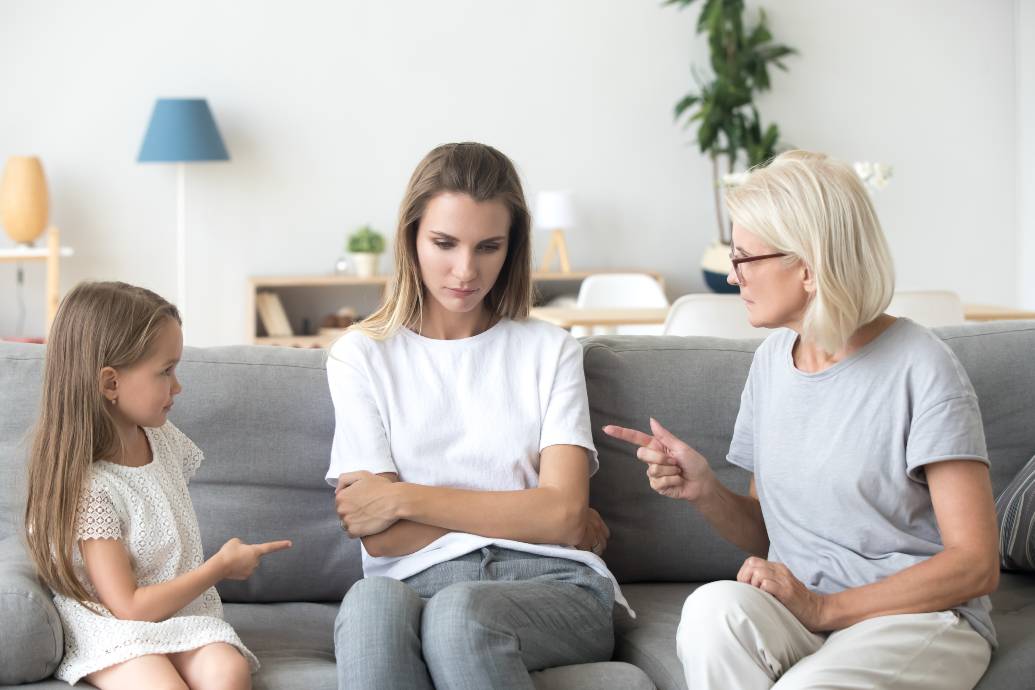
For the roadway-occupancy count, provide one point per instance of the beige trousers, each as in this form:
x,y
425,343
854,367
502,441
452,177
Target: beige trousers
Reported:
x,y
734,636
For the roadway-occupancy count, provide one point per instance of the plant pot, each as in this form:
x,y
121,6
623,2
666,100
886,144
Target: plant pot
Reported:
x,y
716,266
366,264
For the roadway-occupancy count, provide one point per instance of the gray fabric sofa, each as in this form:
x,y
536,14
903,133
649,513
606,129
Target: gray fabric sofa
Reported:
x,y
264,418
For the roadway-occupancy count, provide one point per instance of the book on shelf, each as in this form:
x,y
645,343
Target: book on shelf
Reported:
x,y
271,313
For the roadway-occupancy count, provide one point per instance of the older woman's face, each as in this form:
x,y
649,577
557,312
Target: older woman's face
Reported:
x,y
775,293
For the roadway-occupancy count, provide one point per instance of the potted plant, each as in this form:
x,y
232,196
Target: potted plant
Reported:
x,y
729,129
366,246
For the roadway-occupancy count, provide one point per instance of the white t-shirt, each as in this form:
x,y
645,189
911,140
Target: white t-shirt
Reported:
x,y
472,413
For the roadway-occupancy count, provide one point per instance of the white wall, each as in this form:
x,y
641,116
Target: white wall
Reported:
x,y
327,106
1025,46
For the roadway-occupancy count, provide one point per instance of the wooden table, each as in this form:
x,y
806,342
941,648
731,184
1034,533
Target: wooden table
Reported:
x,y
51,255
990,312
566,318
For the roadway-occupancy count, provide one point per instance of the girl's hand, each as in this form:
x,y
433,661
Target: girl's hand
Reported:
x,y
595,534
674,469
239,560
364,503
778,580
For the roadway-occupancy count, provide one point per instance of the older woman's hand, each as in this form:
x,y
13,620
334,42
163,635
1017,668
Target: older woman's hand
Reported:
x,y
365,503
777,579
674,469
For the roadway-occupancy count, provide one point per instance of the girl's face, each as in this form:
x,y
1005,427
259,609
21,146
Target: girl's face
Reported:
x,y
144,392
461,249
775,293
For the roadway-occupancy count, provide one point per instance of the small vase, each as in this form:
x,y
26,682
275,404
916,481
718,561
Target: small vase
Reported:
x,y
716,266
366,264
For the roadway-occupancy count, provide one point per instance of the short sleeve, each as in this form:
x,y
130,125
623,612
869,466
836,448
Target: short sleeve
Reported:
x,y
566,417
742,446
185,450
947,430
360,436
96,517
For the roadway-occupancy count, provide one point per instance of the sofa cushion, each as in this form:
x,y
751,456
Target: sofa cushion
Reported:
x,y
265,460
31,641
1015,510
693,385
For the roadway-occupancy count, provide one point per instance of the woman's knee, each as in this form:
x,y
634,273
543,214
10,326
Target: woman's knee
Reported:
x,y
373,602
712,608
460,615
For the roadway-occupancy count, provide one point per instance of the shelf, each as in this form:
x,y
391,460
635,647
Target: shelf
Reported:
x,y
317,280
31,254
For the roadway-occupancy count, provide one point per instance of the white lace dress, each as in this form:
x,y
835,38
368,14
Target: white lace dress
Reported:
x,y
150,510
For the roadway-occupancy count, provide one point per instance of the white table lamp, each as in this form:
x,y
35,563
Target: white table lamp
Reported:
x,y
555,211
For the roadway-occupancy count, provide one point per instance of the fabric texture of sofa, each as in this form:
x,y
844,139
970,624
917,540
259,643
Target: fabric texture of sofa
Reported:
x,y
263,417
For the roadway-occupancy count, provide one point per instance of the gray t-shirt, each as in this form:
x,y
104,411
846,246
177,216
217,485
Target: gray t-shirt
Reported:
x,y
838,456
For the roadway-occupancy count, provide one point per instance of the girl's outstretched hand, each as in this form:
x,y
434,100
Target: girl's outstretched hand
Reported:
x,y
239,560
674,469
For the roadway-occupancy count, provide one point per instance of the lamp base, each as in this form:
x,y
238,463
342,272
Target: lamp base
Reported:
x,y
559,247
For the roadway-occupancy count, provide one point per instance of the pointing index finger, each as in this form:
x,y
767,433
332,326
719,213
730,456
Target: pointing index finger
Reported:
x,y
273,546
637,438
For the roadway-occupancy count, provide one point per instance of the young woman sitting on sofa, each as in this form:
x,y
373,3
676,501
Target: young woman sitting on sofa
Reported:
x,y
462,454
869,517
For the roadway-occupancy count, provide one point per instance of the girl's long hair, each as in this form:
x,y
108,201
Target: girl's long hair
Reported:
x,y
484,174
97,325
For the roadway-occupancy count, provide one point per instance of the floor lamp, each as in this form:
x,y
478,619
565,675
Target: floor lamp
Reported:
x,y
181,131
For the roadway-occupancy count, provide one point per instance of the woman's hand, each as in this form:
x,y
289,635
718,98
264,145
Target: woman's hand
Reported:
x,y
239,560
595,534
364,503
778,580
674,469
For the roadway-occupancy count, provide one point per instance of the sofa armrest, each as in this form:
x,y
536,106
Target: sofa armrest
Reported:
x,y
31,640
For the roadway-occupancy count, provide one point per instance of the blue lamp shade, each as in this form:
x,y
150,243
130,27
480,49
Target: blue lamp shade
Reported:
x,y
182,130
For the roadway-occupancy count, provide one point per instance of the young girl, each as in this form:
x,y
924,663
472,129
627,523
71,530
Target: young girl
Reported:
x,y
462,455
109,521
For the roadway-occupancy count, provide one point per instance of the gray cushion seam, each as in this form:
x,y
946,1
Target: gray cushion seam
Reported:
x,y
655,348
252,364
657,661
987,334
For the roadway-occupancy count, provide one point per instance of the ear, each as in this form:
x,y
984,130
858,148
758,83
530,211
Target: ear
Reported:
x,y
808,279
109,383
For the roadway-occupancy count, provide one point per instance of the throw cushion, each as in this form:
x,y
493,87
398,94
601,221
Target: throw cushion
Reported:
x,y
1015,511
31,641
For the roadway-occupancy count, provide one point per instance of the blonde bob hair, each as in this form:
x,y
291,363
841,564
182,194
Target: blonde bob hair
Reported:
x,y
484,174
98,325
816,210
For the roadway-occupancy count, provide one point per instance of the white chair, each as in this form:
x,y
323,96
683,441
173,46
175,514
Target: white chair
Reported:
x,y
621,291
928,308
719,316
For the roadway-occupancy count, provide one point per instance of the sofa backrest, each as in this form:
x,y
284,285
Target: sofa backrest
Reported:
x,y
693,387
263,417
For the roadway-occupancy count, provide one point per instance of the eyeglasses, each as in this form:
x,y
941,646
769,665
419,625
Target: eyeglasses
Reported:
x,y
748,259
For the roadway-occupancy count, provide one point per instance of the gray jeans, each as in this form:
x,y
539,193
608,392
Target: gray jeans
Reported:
x,y
480,621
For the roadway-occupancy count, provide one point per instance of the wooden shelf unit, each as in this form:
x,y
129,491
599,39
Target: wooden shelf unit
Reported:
x,y
52,255
311,297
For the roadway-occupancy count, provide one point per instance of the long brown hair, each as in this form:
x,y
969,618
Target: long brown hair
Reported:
x,y
484,174
97,325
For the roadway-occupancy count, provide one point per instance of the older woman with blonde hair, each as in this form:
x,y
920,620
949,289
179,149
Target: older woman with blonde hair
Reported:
x,y
869,516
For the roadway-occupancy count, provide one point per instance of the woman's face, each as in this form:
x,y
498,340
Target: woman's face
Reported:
x,y
461,248
775,293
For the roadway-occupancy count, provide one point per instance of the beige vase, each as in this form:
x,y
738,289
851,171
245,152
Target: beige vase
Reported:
x,y
23,199
366,264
